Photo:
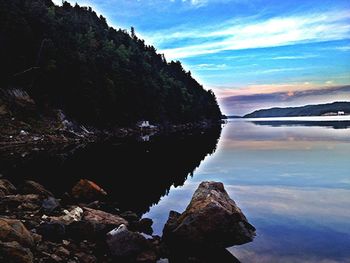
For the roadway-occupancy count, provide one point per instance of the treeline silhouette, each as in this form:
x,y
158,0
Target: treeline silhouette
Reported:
x,y
67,57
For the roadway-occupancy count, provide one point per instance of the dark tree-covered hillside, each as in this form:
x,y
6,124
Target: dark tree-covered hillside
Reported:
x,y
308,110
67,57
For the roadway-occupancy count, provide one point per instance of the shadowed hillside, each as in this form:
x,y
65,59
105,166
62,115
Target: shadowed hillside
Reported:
x,y
68,58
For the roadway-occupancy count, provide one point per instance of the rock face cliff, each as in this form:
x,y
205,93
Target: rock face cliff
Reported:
x,y
212,219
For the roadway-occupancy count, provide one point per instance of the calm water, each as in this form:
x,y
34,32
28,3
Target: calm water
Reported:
x,y
291,178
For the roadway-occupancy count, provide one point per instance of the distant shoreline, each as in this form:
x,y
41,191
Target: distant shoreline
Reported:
x,y
297,118
338,108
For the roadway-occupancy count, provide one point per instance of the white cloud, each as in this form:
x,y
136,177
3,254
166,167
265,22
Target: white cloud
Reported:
x,y
196,2
294,57
344,48
209,67
236,35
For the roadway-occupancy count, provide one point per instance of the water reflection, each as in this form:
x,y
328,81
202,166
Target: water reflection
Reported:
x,y
136,174
291,181
331,124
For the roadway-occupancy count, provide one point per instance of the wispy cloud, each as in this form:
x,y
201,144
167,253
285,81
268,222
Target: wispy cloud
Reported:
x,y
289,95
343,48
260,33
265,89
241,101
209,67
275,70
294,57
197,3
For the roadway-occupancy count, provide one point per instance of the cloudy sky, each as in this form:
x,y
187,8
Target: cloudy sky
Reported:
x,y
252,53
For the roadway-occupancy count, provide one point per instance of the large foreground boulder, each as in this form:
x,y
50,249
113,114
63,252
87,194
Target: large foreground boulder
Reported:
x,y
13,252
212,219
14,230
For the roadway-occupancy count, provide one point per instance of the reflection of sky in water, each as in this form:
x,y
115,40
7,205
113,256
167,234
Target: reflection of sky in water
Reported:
x,y
293,184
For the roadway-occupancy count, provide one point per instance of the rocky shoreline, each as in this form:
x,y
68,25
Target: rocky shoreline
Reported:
x,y
19,136
22,123
85,226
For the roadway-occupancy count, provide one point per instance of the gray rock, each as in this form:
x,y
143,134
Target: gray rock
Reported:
x,y
101,217
53,231
6,188
24,202
49,205
31,187
145,226
14,230
130,216
13,252
124,244
211,219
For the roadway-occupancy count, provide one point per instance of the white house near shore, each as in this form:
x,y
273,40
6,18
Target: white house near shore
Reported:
x,y
143,124
341,113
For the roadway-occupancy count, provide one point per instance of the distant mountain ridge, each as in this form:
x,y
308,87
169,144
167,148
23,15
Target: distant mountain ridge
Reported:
x,y
334,108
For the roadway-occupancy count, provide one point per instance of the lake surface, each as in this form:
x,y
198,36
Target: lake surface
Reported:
x,y
290,177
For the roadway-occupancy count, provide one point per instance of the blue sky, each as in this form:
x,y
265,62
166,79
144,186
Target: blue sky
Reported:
x,y
252,53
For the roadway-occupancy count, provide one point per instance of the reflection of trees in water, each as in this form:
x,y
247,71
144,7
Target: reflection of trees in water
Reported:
x,y
135,174
330,124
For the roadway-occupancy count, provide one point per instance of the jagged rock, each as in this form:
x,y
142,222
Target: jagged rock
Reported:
x,y
101,217
62,252
145,226
94,205
86,258
13,252
49,205
83,230
37,238
6,188
94,224
53,231
56,258
124,244
14,230
147,256
87,190
73,215
211,219
130,216
28,206
31,187
30,202
69,217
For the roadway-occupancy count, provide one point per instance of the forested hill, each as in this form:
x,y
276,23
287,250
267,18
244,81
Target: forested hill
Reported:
x,y
308,110
66,57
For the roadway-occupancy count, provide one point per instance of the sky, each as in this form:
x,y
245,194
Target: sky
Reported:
x,y
252,53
